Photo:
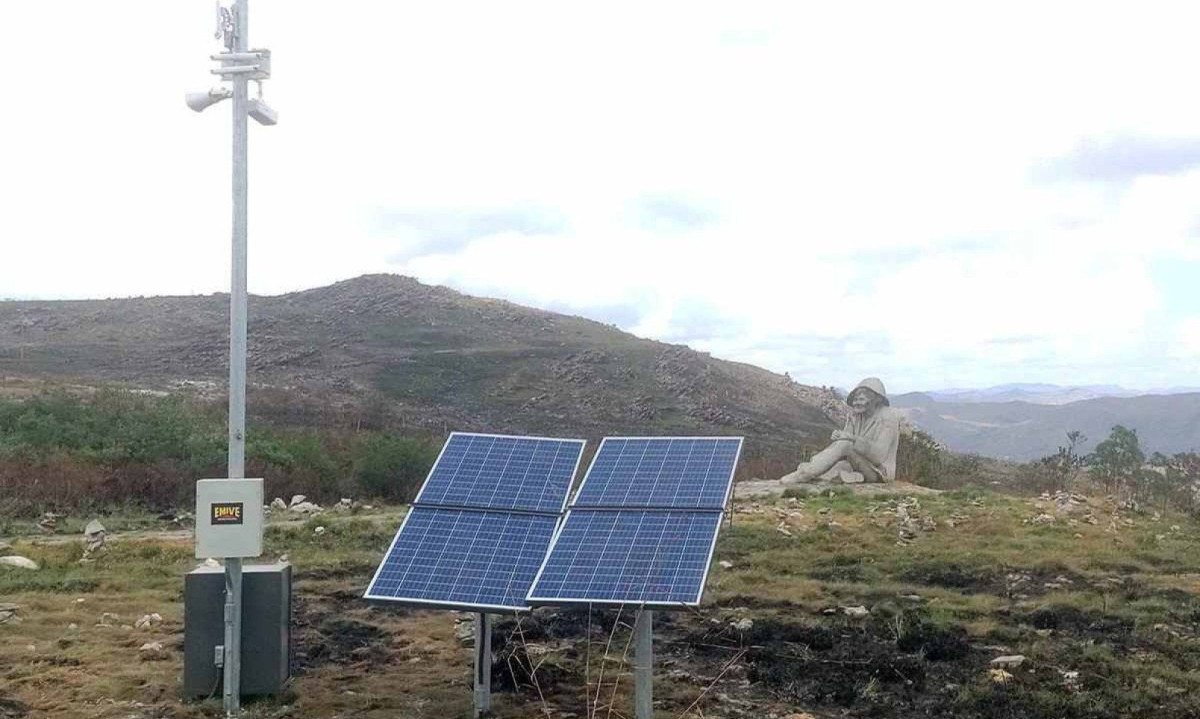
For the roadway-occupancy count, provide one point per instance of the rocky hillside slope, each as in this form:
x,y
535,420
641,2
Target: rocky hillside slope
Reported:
x,y
391,352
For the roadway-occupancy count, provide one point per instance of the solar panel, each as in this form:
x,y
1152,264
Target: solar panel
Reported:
x,y
500,472
628,556
464,558
479,528
643,524
661,472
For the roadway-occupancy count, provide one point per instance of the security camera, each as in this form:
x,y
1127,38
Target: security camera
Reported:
x,y
200,100
261,112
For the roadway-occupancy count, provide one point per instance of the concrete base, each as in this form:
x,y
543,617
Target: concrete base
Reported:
x,y
765,488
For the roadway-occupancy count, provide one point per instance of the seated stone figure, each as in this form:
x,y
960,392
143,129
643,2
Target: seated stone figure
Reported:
x,y
865,450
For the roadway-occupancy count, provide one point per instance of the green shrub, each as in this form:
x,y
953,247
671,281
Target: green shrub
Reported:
x,y
392,467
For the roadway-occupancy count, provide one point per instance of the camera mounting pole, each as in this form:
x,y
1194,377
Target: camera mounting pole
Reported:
x,y
238,66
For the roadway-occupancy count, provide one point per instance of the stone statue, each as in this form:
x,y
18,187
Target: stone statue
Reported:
x,y
863,451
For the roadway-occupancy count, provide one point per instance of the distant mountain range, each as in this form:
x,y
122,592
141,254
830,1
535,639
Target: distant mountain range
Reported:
x,y
1035,393
1006,428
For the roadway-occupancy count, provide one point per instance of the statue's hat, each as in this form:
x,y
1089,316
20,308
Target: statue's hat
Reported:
x,y
875,385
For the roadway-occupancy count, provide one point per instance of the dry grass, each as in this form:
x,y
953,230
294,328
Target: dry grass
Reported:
x,y
1125,619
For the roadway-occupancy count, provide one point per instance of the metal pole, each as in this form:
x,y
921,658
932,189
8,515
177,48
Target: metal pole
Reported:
x,y
643,665
483,665
237,360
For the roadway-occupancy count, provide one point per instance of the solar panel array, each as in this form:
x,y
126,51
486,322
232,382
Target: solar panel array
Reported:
x,y
480,526
643,524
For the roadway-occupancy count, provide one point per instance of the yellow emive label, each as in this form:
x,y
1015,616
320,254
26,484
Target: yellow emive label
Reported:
x,y
226,512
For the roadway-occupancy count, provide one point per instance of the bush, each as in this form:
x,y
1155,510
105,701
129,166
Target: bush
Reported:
x,y
60,452
392,467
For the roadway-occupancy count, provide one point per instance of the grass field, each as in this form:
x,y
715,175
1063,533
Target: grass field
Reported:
x,y
1103,604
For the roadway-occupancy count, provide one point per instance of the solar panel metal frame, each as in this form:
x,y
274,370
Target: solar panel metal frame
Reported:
x,y
558,601
460,606
728,491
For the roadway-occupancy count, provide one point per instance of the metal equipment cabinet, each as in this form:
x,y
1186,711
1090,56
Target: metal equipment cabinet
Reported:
x,y
266,629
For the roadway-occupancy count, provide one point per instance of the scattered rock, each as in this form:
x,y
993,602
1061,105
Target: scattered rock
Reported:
x,y
151,650
1070,679
743,625
278,503
19,562
93,540
210,562
8,614
305,507
148,620
319,530
49,522
108,619
72,626
725,564
1010,661
999,676
296,499
464,631
857,612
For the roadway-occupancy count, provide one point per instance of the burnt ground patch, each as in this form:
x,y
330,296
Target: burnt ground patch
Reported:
x,y
884,666
1073,620
342,640
12,709
935,642
322,636
952,575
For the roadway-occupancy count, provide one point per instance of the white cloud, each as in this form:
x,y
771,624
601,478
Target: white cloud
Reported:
x,y
866,176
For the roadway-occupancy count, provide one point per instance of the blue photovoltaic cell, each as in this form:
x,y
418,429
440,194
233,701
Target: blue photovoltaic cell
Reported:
x,y
674,472
491,472
628,556
464,557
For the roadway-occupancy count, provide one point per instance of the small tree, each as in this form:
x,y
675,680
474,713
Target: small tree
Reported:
x,y
1060,468
1118,460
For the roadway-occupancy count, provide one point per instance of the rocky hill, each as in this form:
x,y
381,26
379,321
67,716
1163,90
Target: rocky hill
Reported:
x,y
389,351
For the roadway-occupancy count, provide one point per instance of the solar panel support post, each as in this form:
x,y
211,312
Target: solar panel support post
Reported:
x,y
483,665
643,665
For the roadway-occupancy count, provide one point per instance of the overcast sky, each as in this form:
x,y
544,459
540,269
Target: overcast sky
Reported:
x,y
942,195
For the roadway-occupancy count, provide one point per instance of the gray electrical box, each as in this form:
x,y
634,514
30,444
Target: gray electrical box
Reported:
x,y
229,518
266,629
